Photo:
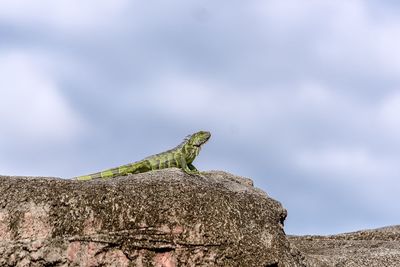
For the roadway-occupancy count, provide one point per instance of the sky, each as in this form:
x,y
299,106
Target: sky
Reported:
x,y
303,97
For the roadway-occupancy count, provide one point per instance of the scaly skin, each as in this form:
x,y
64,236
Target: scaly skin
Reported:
x,y
181,157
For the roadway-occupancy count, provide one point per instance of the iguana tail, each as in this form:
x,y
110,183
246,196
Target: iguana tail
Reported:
x,y
137,167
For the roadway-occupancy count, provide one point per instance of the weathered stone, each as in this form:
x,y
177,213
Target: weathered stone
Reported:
x,y
162,218
370,248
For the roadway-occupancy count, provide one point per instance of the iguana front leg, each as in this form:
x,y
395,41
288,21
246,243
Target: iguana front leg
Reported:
x,y
187,167
193,168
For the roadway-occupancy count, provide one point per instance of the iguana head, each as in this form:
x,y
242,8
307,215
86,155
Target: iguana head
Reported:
x,y
199,138
192,144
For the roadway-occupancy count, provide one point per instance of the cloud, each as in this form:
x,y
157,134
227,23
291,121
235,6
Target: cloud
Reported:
x,y
388,113
190,98
338,163
72,16
32,109
359,41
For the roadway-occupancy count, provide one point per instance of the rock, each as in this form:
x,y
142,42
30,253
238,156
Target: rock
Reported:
x,y
162,218
372,248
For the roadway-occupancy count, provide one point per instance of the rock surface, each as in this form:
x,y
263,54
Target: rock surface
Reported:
x,y
372,248
168,218
163,218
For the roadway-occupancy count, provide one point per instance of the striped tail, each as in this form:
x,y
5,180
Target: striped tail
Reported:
x,y
110,173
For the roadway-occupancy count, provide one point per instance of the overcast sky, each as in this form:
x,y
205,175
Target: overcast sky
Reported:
x,y
301,96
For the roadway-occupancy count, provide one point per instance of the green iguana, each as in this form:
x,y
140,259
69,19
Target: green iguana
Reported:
x,y
181,157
